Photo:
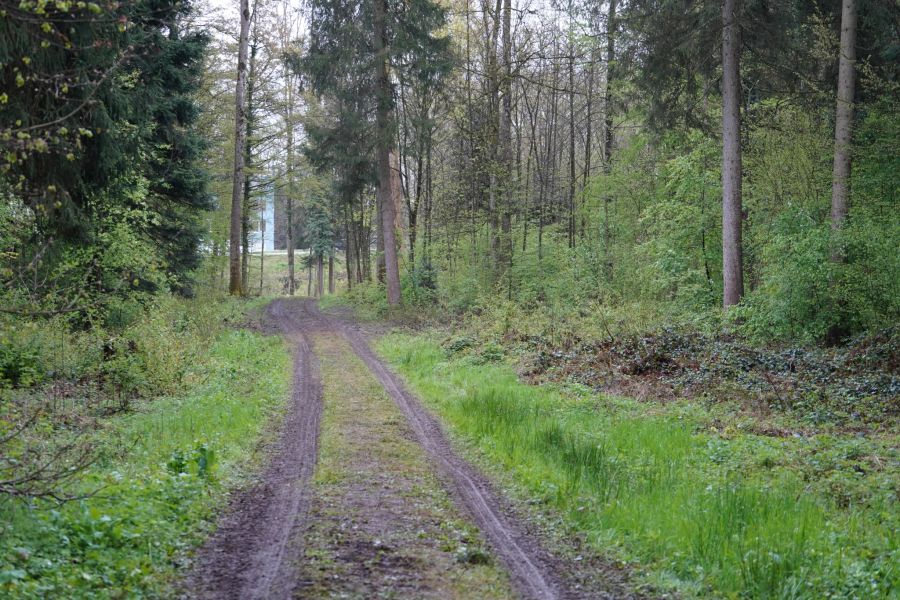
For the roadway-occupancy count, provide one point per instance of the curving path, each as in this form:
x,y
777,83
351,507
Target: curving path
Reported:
x,y
258,545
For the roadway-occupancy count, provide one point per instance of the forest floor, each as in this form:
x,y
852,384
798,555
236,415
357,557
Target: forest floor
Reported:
x,y
390,510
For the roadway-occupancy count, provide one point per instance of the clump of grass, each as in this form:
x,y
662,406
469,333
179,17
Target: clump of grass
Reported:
x,y
674,499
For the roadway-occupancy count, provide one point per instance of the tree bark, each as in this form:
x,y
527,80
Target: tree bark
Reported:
x,y
383,147
248,161
262,250
285,33
843,123
349,243
571,203
331,272
234,256
609,138
732,263
505,139
320,275
379,239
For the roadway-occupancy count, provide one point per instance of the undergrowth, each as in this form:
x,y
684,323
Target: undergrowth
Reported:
x,y
710,513
160,470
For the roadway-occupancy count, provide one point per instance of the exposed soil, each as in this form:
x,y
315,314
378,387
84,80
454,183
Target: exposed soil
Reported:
x,y
382,524
382,518
246,557
535,571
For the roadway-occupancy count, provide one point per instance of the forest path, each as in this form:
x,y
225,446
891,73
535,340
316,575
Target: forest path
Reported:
x,y
390,511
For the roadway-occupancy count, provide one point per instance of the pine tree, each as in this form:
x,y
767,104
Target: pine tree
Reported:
x,y
98,132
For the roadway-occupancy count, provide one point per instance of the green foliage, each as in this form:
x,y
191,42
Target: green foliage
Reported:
x,y
161,479
20,362
101,159
319,234
651,251
727,513
800,292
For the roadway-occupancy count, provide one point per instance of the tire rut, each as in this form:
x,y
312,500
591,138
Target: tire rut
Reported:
x,y
254,552
534,571
248,556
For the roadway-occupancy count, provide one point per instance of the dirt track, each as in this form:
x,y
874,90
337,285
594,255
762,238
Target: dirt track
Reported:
x,y
246,557
258,545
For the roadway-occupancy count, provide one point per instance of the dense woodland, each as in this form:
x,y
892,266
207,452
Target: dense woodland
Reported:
x,y
636,196
673,156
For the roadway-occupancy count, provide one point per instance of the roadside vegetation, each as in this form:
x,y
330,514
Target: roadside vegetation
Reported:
x,y
124,460
706,511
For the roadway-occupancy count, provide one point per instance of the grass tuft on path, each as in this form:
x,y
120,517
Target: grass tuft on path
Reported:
x,y
707,514
382,524
162,479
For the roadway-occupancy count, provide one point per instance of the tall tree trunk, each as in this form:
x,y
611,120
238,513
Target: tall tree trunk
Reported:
x,y
843,123
248,161
589,108
413,207
289,196
843,135
379,239
400,214
571,207
320,275
505,139
383,147
234,256
426,239
364,247
245,244
609,138
262,249
331,272
732,263
349,243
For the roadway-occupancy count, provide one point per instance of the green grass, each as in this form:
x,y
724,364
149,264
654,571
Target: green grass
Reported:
x,y
161,481
275,272
738,516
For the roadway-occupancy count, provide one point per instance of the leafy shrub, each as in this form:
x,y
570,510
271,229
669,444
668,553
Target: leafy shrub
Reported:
x,y
21,363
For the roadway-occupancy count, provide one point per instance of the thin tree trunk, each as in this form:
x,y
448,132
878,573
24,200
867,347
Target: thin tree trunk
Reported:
x,y
379,241
589,108
571,222
331,272
262,250
732,267
248,161
608,134
349,243
505,138
234,257
289,193
320,275
245,244
426,239
413,209
843,135
365,239
843,124
609,138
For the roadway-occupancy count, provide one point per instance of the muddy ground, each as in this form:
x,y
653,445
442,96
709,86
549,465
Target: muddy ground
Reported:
x,y
369,499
